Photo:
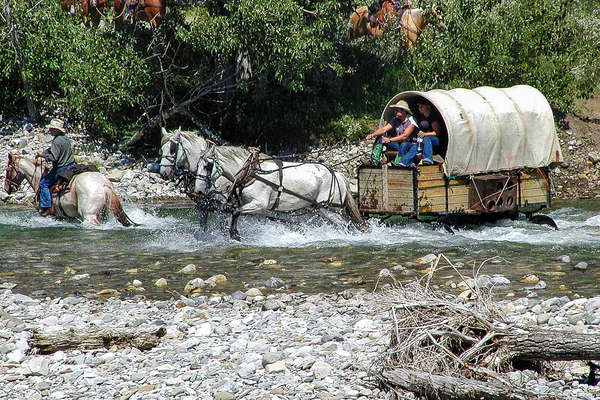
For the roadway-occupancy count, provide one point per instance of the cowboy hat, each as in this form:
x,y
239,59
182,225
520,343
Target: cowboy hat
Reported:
x,y
403,105
56,124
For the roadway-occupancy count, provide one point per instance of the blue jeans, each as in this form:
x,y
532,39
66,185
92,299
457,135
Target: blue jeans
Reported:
x,y
395,146
48,180
429,142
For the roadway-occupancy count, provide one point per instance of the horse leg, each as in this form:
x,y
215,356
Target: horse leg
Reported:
x,y
354,213
234,234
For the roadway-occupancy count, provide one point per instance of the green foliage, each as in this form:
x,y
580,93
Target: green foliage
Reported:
x,y
306,78
93,76
348,129
549,44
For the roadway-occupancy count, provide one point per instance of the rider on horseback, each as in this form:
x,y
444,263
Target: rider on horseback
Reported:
x,y
61,157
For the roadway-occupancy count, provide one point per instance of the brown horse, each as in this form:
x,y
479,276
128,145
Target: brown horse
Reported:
x,y
91,10
413,21
149,10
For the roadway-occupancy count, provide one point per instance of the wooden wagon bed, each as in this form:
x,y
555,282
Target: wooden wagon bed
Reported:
x,y
427,191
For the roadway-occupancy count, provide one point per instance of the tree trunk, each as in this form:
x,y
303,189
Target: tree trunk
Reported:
x,y
14,39
546,344
444,387
48,343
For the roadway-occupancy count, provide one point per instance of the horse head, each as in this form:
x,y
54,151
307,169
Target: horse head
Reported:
x,y
13,176
185,153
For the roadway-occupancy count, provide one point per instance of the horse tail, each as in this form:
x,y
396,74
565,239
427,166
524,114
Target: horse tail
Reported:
x,y
353,213
114,204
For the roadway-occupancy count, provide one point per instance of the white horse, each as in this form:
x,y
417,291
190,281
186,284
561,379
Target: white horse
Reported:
x,y
89,197
254,183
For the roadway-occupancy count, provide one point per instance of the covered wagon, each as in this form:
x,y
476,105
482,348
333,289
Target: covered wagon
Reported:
x,y
496,148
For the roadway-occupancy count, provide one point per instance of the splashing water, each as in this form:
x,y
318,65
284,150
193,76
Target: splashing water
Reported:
x,y
310,253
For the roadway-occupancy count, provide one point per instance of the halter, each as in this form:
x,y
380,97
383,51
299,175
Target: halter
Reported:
x,y
11,183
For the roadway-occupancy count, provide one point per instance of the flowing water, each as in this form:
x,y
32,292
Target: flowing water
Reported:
x,y
46,257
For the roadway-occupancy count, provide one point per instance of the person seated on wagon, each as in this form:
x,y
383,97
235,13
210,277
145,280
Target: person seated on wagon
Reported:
x,y
61,157
402,125
427,137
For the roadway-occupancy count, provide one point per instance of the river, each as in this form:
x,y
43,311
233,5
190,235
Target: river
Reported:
x,y
44,257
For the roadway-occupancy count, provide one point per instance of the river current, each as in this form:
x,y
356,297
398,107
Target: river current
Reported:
x,y
44,257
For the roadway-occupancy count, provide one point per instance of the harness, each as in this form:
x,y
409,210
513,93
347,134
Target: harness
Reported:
x,y
250,172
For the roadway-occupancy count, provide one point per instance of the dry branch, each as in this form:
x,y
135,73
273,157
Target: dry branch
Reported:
x,y
440,341
48,343
446,387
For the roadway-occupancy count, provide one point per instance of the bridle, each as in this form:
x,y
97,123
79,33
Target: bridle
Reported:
x,y
12,184
188,176
15,182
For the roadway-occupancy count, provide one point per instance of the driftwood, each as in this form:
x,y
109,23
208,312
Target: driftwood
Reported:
x,y
448,346
48,343
552,345
444,387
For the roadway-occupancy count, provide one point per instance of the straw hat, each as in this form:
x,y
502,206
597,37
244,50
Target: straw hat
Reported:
x,y
403,105
56,124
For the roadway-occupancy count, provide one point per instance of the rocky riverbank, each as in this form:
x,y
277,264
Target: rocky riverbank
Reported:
x,y
245,345
136,179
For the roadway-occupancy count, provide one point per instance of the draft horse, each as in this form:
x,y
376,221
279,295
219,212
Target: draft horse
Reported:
x,y
412,22
89,197
250,182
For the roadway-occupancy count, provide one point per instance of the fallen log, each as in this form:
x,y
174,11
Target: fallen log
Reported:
x,y
552,345
48,343
444,387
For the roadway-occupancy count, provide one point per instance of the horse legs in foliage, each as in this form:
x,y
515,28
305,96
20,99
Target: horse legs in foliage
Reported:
x,y
234,234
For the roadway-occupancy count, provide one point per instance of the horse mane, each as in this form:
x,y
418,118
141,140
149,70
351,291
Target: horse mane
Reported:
x,y
190,136
235,154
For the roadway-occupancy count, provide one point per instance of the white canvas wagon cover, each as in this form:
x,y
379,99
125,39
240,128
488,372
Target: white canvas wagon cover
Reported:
x,y
491,129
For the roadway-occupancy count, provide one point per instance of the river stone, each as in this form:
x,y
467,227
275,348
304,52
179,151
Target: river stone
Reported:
x,y
194,285
384,273
321,369
565,259
271,357
277,366
238,295
532,279
253,292
188,269
581,266
274,283
269,262
427,259
115,175
216,280
592,304
594,157
272,305
137,283
161,283
224,396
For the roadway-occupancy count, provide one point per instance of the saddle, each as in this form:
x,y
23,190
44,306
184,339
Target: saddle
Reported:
x,y
65,177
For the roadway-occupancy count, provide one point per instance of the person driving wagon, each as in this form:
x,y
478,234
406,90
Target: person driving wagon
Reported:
x,y
403,126
427,138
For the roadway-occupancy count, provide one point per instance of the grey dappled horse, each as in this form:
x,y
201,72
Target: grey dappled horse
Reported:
x,y
255,182
90,194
